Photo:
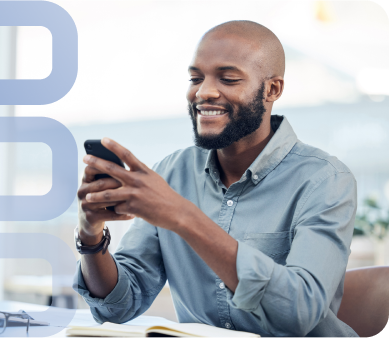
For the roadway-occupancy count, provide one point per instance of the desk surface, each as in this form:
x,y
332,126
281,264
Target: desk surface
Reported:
x,y
56,328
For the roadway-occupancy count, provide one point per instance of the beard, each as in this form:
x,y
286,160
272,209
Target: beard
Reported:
x,y
247,120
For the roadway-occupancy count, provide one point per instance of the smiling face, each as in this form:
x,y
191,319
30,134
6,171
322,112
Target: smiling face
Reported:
x,y
226,92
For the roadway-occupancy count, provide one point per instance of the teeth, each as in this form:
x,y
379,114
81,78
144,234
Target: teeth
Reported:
x,y
211,112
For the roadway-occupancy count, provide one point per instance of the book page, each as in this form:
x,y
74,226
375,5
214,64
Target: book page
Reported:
x,y
176,329
149,321
107,330
197,330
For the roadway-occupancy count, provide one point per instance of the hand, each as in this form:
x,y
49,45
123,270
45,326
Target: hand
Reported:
x,y
143,192
92,216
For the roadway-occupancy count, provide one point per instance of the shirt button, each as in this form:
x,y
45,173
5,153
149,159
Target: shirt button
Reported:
x,y
227,325
229,203
255,177
221,285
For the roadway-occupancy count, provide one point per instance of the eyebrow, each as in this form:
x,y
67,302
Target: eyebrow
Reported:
x,y
218,68
229,68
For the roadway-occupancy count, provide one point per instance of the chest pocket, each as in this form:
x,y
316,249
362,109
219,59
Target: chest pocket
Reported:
x,y
276,245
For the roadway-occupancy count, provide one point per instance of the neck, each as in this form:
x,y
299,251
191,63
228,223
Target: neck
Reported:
x,y
235,159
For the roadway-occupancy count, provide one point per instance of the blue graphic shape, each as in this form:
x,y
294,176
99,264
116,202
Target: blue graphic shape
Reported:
x,y
64,168
65,52
63,264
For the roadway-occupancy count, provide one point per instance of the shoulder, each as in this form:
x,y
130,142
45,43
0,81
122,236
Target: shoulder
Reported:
x,y
311,169
316,161
191,158
325,183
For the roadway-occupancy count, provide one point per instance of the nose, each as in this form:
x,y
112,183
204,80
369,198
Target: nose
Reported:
x,y
207,91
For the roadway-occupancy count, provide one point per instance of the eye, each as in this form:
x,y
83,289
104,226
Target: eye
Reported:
x,y
230,80
195,80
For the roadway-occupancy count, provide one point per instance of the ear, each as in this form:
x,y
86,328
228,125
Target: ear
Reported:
x,y
274,88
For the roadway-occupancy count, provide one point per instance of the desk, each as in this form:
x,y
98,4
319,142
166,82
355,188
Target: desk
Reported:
x,y
42,285
56,329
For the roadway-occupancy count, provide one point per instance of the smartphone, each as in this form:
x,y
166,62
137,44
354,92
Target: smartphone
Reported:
x,y
95,148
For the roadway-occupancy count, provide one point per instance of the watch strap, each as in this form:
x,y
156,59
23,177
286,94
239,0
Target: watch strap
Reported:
x,y
93,249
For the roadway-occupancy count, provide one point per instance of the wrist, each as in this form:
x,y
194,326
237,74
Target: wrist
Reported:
x,y
90,239
189,214
83,248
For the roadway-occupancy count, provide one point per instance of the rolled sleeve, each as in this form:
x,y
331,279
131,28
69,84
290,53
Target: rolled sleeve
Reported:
x,y
293,299
118,297
253,278
141,276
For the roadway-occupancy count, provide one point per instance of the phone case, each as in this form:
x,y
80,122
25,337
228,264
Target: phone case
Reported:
x,y
95,148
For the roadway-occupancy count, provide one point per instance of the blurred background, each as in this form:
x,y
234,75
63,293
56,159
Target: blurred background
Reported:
x,y
131,86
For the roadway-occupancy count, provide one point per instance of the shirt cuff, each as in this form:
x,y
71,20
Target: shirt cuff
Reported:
x,y
254,270
119,297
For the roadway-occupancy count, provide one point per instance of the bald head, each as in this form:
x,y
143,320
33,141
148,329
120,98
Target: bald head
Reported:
x,y
271,56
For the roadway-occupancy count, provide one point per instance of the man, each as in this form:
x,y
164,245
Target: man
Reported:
x,y
251,227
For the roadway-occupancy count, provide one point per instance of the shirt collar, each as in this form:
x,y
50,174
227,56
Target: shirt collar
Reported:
x,y
277,148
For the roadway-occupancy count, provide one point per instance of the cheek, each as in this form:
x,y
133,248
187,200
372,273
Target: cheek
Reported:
x,y
191,94
243,96
243,93
234,95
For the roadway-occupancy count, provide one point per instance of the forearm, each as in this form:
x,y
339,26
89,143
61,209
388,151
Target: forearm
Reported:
x,y
217,248
137,280
99,271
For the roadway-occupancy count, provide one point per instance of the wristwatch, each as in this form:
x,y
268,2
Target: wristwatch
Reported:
x,y
92,249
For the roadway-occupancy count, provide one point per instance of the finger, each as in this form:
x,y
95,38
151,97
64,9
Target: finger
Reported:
x,y
107,167
124,154
98,185
104,184
90,173
97,206
122,209
111,195
106,215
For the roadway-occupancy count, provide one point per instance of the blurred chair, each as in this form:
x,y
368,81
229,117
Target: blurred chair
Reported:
x,y
365,303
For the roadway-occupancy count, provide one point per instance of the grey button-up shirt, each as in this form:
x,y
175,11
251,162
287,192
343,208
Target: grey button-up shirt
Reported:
x,y
292,213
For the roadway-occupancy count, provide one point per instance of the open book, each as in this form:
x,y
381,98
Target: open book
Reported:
x,y
171,330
